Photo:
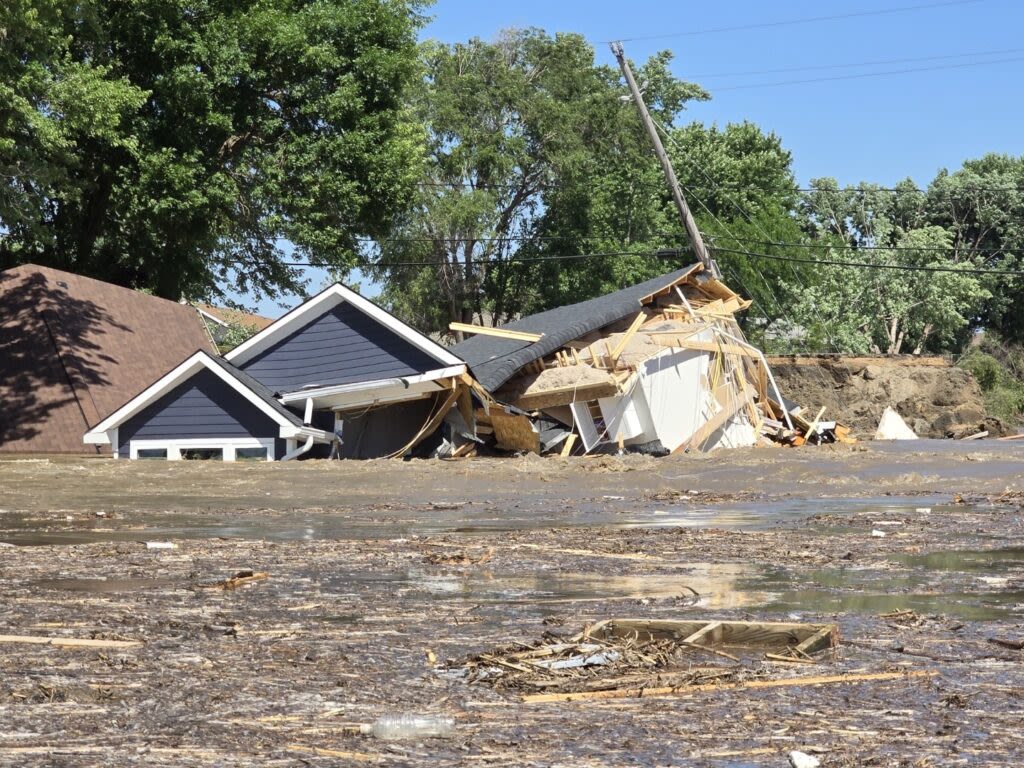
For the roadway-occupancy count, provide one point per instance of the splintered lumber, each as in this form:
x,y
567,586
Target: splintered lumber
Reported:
x,y
789,682
570,441
633,328
69,642
501,333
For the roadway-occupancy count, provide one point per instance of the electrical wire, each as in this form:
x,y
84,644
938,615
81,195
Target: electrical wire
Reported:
x,y
795,22
855,65
885,73
871,265
894,248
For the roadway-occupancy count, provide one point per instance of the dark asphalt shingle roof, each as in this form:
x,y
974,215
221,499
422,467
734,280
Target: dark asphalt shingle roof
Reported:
x,y
261,390
495,360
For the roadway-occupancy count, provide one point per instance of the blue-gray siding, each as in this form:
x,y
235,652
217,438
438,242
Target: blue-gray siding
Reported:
x,y
203,406
342,346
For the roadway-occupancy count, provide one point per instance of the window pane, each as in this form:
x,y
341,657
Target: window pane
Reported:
x,y
251,454
152,453
202,454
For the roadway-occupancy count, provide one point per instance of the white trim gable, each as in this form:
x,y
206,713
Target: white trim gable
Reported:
x,y
322,303
102,433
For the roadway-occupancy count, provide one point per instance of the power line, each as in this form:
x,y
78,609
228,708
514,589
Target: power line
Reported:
x,y
795,22
886,73
871,265
738,188
664,254
895,248
874,63
678,235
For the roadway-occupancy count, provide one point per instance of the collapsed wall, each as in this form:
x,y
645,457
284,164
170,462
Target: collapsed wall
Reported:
x,y
935,398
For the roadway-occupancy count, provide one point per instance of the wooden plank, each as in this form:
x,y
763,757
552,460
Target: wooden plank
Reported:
x,y
464,401
826,637
630,332
570,441
69,642
552,398
705,633
757,634
789,682
813,426
501,333
701,346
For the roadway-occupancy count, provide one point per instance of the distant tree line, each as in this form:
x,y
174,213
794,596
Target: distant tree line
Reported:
x,y
190,146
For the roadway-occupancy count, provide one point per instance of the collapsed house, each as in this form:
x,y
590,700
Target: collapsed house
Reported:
x,y
660,367
335,376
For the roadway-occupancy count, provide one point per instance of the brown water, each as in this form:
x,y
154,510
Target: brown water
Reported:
x,y
969,583
462,518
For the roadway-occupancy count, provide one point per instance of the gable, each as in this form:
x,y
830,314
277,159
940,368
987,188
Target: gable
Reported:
x,y
204,405
72,349
340,346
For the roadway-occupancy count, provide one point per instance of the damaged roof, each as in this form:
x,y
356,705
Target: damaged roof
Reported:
x,y
494,360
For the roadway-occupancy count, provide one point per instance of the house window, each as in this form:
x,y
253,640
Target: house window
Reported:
x,y
251,454
205,449
202,454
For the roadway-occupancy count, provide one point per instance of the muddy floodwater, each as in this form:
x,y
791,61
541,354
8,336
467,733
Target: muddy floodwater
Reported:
x,y
365,589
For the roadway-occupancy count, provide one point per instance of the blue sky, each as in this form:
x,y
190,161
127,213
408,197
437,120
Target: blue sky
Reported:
x,y
878,128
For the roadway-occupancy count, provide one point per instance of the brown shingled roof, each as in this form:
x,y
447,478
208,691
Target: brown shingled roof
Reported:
x,y
236,316
73,349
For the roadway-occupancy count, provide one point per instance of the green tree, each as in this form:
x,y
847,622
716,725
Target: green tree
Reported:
x,y
515,129
982,206
177,145
883,310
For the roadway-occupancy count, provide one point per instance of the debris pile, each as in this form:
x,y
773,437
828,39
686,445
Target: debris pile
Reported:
x,y
659,368
617,656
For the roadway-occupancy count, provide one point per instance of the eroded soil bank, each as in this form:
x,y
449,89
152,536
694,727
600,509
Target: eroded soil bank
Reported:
x,y
383,578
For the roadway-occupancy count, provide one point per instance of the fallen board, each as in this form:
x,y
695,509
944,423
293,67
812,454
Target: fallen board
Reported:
x,y
69,642
682,690
809,638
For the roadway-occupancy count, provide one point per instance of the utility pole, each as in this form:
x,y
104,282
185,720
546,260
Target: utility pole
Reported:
x,y
666,165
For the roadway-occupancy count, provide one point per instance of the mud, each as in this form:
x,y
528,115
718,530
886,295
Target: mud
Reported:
x,y
383,575
935,398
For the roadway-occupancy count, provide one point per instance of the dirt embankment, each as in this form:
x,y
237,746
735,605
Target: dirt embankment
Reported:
x,y
935,398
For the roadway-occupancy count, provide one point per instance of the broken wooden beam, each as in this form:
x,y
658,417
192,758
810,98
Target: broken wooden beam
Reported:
x,y
790,682
69,642
502,333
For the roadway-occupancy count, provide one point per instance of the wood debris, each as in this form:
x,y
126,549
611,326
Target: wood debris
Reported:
x,y
619,656
677,376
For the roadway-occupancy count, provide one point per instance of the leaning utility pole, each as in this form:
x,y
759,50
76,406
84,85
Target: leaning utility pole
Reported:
x,y
666,165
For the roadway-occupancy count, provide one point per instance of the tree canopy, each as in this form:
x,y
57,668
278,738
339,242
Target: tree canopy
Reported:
x,y
182,145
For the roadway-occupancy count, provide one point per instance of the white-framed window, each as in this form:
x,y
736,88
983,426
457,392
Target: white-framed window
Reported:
x,y
211,448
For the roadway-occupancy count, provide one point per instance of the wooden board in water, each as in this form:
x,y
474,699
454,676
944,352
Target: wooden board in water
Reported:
x,y
809,638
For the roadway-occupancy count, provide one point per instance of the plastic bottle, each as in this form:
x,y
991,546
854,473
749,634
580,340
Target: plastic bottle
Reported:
x,y
398,727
